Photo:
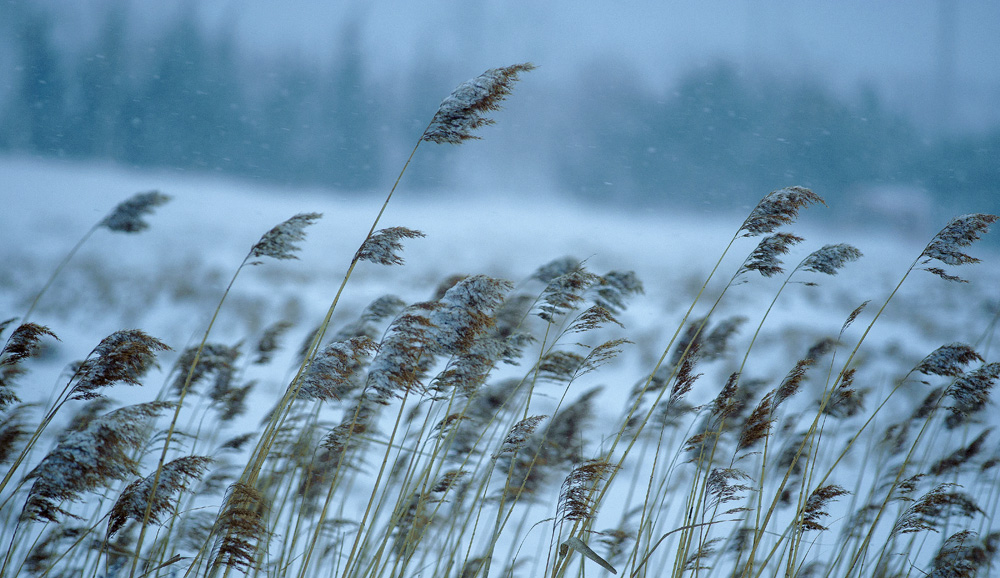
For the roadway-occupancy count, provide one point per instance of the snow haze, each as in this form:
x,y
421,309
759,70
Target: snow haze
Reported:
x,y
167,280
922,54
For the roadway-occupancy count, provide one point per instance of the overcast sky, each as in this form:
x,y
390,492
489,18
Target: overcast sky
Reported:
x,y
894,45
919,53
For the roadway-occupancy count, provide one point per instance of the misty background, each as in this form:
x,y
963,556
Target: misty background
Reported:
x,y
887,109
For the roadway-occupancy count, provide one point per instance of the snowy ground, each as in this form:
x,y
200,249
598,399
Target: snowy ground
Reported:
x,y
168,279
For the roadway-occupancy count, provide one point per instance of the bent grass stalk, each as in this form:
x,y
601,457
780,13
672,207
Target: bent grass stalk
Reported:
x,y
778,208
943,247
456,118
455,445
126,217
277,244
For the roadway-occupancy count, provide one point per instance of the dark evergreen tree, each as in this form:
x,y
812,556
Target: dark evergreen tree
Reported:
x,y
36,115
101,91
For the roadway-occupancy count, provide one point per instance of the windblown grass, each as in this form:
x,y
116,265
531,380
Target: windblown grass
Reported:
x,y
458,436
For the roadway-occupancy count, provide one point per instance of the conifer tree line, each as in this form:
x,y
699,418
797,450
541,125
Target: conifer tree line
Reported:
x,y
194,99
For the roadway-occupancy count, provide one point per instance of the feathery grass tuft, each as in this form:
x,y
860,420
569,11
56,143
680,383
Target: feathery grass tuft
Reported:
x,y
383,246
778,208
279,242
830,258
947,244
464,110
575,497
23,342
122,357
127,216
89,459
242,529
948,360
765,258
815,509
935,508
174,479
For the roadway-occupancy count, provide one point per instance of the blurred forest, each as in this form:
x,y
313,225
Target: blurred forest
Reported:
x,y
190,100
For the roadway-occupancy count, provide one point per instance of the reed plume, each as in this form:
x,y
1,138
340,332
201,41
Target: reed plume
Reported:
x,y
127,216
89,459
241,528
935,508
778,208
333,372
576,495
279,242
948,360
518,435
947,245
765,259
830,258
465,109
383,247
175,476
122,357
970,393
815,508
24,342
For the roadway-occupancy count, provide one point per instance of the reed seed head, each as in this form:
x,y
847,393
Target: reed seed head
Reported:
x,y
23,342
243,528
723,486
614,287
383,246
970,393
279,242
960,232
815,509
519,434
465,109
830,258
122,357
564,292
961,456
758,424
964,555
948,360
89,459
174,479
127,216
575,498
935,508
765,258
778,208
332,373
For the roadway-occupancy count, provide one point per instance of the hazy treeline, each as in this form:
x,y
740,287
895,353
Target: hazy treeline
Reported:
x,y
191,99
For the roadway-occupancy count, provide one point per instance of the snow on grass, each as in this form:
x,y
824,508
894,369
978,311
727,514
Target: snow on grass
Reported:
x,y
167,280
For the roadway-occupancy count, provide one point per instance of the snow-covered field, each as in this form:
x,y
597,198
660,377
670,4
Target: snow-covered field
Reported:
x,y
168,279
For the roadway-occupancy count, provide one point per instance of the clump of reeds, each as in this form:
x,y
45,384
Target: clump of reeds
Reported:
x,y
469,434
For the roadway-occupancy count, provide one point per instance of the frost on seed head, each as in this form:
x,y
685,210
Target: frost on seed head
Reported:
x,y
830,258
778,208
960,232
383,246
279,242
465,109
